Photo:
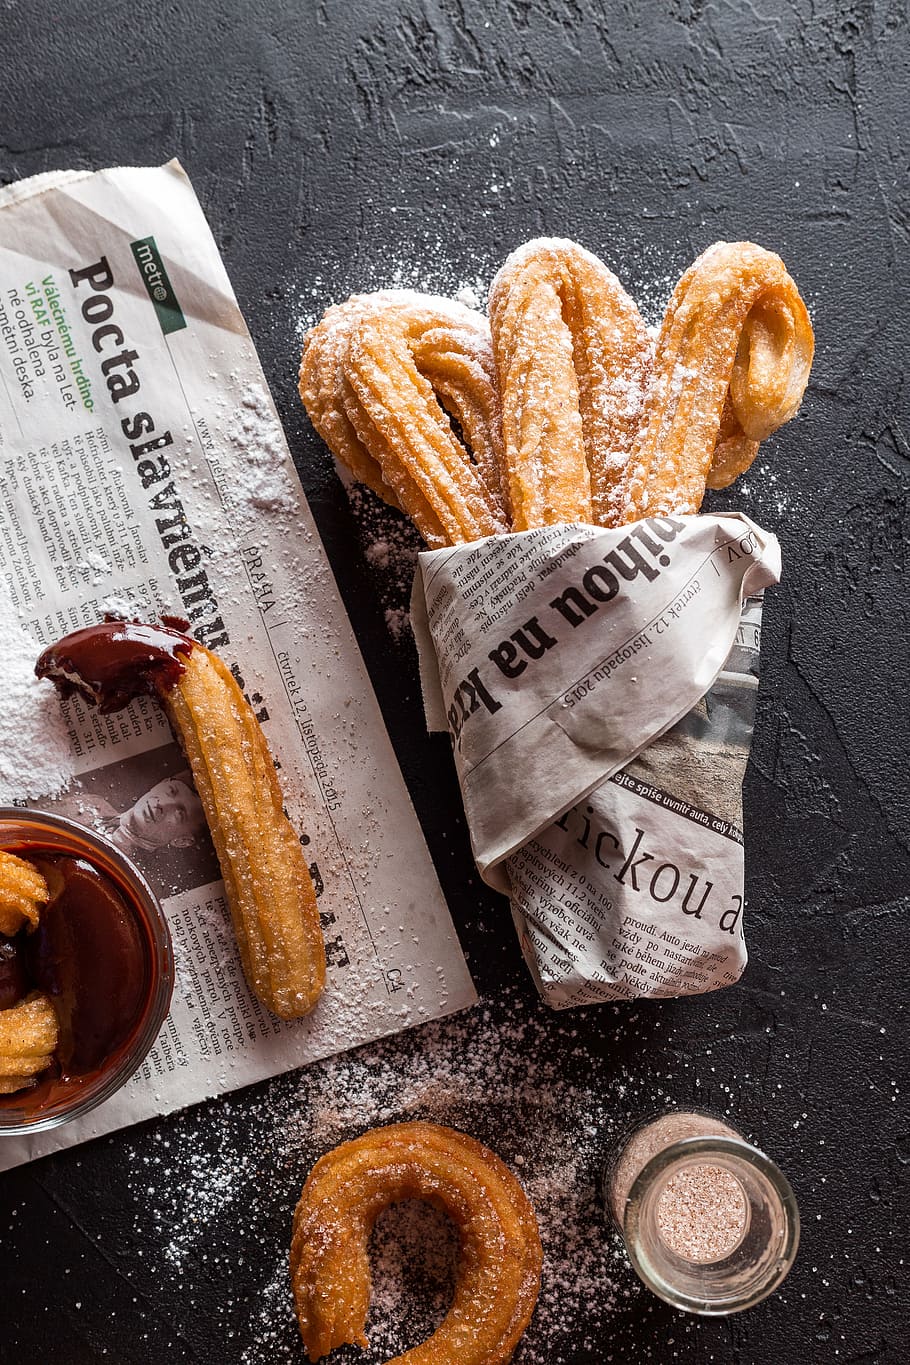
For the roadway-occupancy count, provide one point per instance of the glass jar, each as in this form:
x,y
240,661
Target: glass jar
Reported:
x,y
710,1223
57,1100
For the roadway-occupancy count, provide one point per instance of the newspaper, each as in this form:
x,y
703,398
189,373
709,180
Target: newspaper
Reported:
x,y
144,469
599,689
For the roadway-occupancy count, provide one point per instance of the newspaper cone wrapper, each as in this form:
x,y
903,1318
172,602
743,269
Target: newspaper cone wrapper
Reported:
x,y
599,689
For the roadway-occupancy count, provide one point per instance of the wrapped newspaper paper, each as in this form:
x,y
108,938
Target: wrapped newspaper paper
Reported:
x,y
599,688
144,470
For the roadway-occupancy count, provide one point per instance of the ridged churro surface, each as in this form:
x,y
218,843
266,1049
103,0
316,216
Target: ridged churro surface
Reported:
x,y
267,882
566,408
498,1276
731,365
381,377
573,358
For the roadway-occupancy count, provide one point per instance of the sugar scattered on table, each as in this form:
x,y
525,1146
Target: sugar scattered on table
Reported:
x,y
493,1072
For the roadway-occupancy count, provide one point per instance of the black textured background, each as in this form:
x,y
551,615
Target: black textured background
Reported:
x,y
325,140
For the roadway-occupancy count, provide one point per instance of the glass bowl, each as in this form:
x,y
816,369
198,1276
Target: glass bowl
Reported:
x,y
57,1100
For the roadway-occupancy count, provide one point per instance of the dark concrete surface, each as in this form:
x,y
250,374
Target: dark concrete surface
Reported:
x,y
330,143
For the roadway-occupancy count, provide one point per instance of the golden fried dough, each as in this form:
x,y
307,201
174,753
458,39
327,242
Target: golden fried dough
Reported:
x,y
268,885
498,1275
574,359
736,338
380,377
733,451
570,413
23,891
267,882
28,1035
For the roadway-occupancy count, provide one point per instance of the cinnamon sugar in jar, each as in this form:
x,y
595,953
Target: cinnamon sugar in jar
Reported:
x,y
710,1224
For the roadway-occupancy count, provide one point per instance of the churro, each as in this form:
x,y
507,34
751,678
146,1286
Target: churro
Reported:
x,y
381,377
566,409
267,882
735,338
28,1037
499,1270
733,450
23,891
574,359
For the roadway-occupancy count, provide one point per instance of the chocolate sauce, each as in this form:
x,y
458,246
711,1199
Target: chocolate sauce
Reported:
x,y
90,955
87,954
112,662
13,977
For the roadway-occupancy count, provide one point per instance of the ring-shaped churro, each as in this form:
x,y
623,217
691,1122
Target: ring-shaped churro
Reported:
x,y
736,336
499,1269
574,360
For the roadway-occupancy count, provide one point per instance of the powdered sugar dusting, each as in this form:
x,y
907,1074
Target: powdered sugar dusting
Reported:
x,y
390,544
428,272
652,297
469,296
398,621
259,474
35,754
509,1073
528,250
619,400
118,604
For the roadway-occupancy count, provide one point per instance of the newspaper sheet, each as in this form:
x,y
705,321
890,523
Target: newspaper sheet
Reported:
x,y
599,689
144,469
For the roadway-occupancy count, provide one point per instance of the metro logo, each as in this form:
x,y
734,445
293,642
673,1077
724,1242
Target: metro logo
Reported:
x,y
157,284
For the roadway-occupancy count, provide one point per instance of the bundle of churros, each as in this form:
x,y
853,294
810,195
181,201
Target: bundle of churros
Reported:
x,y
590,643
562,407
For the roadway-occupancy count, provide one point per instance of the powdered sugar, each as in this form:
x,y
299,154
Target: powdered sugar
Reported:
x,y
93,567
536,245
120,605
652,295
398,621
454,309
390,544
259,474
35,754
509,1073
469,296
429,271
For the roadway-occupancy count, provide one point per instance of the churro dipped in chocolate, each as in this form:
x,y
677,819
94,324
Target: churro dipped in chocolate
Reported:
x,y
731,366
381,376
574,359
498,1276
267,882
29,1030
23,891
28,1037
